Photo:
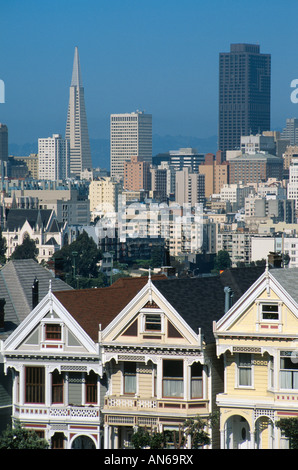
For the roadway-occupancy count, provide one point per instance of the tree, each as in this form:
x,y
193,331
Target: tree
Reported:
x,y
3,247
27,250
289,426
222,260
143,439
195,428
80,258
19,438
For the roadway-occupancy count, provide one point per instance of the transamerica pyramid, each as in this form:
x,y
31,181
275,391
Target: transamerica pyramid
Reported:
x,y
76,126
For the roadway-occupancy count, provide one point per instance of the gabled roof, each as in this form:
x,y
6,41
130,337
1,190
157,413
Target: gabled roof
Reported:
x,y
91,307
288,279
199,301
16,280
15,218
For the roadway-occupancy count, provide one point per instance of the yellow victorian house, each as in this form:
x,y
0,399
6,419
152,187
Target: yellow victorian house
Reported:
x,y
258,341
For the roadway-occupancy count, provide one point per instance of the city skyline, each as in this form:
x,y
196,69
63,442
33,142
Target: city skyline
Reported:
x,y
161,58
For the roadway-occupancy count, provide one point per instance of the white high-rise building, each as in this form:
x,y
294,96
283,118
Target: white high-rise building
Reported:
x,y
53,158
76,126
130,135
292,189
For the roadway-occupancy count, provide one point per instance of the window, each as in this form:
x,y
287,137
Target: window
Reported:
x,y
91,387
173,379
57,387
245,370
152,322
196,380
35,385
130,378
288,370
270,312
53,332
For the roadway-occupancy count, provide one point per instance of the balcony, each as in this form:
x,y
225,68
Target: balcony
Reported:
x,y
56,413
163,405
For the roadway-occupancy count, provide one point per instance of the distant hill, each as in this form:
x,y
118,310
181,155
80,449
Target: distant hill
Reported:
x,y
100,148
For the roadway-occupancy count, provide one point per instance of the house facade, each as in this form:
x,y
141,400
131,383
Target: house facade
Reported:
x,y
158,369
56,370
258,341
89,367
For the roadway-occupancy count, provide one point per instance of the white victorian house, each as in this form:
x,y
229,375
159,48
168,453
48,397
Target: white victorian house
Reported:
x,y
56,372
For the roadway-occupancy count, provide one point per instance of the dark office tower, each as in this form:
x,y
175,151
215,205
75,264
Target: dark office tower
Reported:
x,y
244,94
3,143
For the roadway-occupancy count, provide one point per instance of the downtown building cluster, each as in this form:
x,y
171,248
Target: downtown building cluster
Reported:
x,y
88,367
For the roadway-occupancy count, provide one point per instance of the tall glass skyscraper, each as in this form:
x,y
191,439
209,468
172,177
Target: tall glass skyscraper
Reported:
x,y
244,94
76,126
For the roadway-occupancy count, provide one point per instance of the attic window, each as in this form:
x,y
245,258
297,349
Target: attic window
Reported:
x,y
270,311
152,322
53,332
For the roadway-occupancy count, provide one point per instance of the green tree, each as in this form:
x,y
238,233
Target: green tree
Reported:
x,y
3,247
27,250
143,439
222,261
196,429
19,438
289,427
80,258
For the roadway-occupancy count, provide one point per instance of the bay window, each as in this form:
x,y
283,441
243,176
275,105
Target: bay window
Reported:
x,y
173,378
57,387
130,378
288,370
244,370
35,385
196,380
91,387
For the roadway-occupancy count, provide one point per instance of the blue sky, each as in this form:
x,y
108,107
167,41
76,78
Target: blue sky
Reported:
x,y
158,56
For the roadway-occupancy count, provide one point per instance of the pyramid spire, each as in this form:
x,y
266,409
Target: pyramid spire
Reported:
x,y
76,79
76,125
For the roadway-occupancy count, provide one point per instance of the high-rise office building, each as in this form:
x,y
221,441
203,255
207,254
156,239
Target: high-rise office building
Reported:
x,y
290,132
3,143
53,158
244,94
130,135
76,126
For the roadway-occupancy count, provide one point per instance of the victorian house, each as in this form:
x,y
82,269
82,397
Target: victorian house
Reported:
x,y
258,341
91,366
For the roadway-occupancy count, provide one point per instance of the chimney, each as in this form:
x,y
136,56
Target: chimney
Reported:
x,y
35,296
228,298
2,313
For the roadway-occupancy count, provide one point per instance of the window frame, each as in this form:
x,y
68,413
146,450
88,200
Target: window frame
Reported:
x,y
35,388
57,388
194,378
127,373
53,333
287,354
242,367
91,388
172,378
152,312
268,305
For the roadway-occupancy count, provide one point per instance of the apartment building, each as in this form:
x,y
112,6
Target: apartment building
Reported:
x,y
103,196
216,172
53,158
136,174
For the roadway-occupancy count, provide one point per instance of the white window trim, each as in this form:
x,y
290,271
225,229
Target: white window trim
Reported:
x,y
152,311
246,387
